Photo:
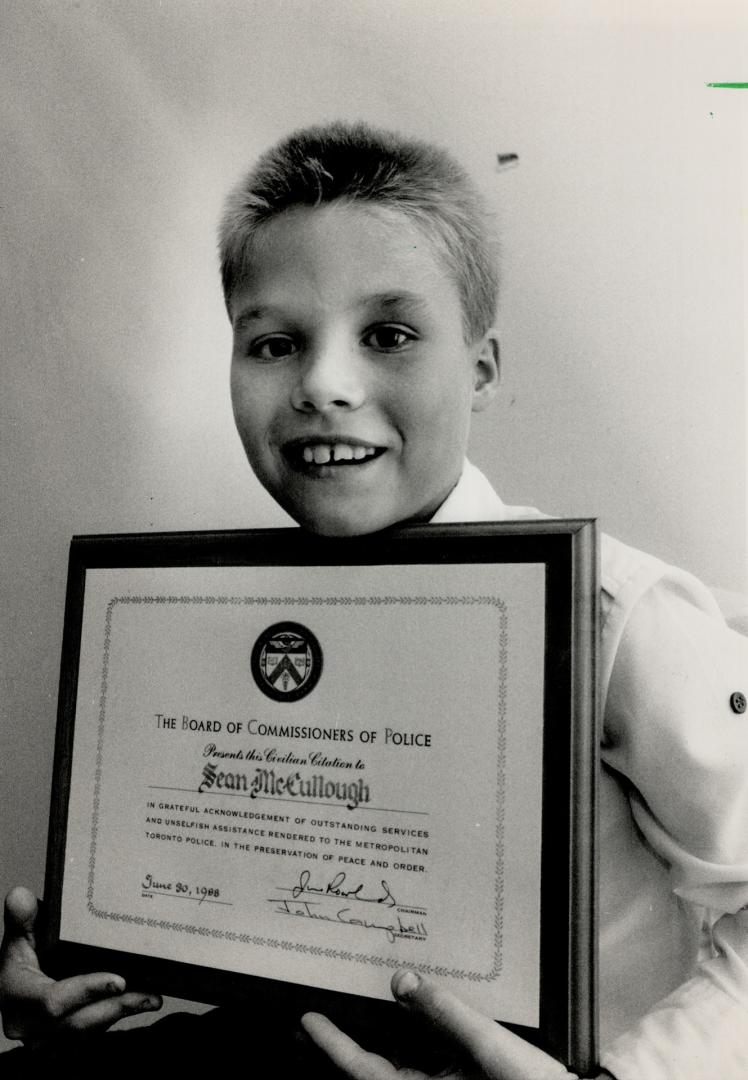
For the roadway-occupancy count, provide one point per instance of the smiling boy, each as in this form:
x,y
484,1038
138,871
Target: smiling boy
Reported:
x,y
352,348
348,354
361,291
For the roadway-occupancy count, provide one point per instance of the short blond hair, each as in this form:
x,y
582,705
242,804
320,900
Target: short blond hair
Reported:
x,y
349,162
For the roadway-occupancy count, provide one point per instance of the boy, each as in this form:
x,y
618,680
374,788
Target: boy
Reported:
x,y
362,293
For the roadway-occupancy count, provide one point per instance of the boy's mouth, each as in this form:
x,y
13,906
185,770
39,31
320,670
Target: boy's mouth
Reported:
x,y
310,453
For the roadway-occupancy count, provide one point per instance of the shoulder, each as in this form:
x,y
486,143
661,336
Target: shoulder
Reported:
x,y
627,573
638,591
673,686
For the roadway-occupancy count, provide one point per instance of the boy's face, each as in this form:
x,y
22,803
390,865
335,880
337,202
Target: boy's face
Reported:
x,y
351,381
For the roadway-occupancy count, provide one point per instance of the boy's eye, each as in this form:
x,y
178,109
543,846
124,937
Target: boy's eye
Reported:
x,y
273,347
388,338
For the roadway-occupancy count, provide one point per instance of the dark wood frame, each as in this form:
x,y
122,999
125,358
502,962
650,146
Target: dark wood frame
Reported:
x,y
568,549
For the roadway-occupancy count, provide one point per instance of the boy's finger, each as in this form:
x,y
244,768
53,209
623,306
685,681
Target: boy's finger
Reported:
x,y
21,910
498,1052
473,1031
343,1052
68,995
100,1015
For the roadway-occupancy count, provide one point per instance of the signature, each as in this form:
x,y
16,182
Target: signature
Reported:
x,y
338,886
397,928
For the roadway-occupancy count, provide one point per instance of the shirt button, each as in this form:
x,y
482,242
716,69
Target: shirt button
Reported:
x,y
737,702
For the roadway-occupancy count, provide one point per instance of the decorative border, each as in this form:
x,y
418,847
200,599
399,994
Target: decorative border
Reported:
x,y
312,601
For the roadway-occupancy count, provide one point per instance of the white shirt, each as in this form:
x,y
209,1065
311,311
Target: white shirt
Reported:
x,y
673,814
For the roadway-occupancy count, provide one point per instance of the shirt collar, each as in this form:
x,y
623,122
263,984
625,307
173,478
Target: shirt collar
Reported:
x,y
471,499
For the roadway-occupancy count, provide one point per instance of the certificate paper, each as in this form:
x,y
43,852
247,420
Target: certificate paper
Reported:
x,y
314,773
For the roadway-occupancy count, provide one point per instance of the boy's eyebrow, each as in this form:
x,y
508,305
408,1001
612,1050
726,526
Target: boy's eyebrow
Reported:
x,y
389,300
383,301
251,314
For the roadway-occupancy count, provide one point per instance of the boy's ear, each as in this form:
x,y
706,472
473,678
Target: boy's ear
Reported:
x,y
486,370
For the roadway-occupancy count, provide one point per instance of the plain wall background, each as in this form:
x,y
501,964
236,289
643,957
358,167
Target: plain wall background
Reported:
x,y
623,233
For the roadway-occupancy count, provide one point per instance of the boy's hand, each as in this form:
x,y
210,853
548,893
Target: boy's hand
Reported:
x,y
486,1050
35,1007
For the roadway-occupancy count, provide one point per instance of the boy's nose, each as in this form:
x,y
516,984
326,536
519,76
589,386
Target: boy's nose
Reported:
x,y
328,379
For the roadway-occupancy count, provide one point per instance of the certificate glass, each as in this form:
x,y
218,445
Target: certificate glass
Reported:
x,y
319,761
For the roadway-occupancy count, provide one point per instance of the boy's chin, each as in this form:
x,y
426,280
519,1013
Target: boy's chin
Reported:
x,y
343,527
359,525
344,524
358,517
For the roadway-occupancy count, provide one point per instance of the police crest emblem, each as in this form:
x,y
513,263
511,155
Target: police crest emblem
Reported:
x,y
286,661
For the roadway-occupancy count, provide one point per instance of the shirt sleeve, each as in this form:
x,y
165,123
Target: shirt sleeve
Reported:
x,y
700,1031
676,729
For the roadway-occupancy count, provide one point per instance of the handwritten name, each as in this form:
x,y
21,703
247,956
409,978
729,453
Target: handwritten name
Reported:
x,y
398,928
338,887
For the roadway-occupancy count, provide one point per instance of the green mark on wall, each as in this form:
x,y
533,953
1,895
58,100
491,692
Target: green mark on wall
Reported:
x,y
729,85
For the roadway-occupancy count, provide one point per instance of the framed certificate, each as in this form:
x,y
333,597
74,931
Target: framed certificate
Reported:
x,y
314,761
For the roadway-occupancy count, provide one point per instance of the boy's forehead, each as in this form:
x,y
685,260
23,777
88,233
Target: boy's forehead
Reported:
x,y
367,256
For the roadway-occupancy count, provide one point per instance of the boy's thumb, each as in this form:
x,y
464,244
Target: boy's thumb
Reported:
x,y
21,910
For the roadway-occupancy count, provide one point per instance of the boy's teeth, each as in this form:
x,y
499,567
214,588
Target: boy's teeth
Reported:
x,y
322,453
